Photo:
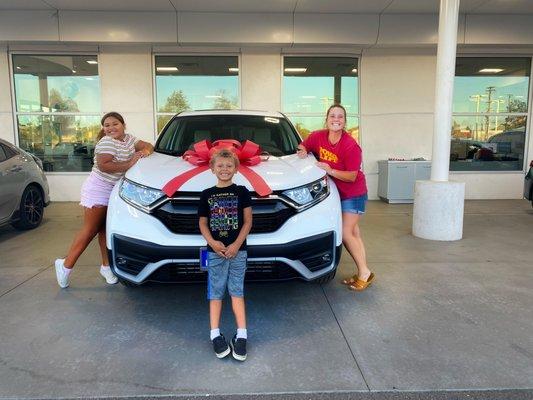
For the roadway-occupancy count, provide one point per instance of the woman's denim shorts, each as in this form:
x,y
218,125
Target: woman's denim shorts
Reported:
x,y
354,205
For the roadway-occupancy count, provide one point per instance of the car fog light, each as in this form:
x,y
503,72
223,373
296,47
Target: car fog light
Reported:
x,y
326,257
122,261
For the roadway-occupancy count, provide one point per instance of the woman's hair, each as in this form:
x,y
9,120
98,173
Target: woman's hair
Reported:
x,y
224,153
336,106
113,114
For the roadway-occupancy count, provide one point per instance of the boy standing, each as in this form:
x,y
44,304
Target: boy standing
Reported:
x,y
225,212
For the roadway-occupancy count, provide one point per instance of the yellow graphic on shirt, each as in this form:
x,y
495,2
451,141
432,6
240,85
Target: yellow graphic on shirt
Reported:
x,y
326,155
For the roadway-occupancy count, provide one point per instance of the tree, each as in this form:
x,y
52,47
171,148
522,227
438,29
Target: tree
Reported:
x,y
176,102
61,123
224,102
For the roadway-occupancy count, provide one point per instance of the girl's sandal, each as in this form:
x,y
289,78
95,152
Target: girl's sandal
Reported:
x,y
360,285
349,281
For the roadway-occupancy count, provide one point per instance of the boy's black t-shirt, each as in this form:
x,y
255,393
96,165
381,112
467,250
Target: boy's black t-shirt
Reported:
x,y
223,208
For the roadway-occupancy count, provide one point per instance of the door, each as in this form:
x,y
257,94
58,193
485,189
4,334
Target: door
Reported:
x,y
12,179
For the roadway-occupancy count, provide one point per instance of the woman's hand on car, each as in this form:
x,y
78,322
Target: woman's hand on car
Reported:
x,y
326,167
301,151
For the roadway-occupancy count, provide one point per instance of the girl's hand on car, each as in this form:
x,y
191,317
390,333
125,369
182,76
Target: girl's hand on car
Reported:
x,y
135,158
146,152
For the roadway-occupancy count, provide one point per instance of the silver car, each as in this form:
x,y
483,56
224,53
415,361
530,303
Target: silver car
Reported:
x,y
23,188
528,184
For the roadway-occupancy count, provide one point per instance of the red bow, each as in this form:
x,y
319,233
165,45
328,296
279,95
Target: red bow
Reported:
x,y
248,153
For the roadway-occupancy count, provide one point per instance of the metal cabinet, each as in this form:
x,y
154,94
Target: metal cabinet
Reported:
x,y
397,179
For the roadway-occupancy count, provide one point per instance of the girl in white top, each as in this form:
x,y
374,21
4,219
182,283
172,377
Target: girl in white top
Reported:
x,y
115,152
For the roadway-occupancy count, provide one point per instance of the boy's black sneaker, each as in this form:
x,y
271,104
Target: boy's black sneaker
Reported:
x,y
220,346
238,345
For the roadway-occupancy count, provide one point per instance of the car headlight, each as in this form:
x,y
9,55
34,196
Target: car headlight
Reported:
x,y
310,194
140,196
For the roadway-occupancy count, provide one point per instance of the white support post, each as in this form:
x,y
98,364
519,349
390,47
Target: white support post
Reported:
x,y
439,204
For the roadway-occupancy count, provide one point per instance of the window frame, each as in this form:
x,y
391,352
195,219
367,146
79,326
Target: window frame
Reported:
x,y
527,114
16,113
189,54
357,115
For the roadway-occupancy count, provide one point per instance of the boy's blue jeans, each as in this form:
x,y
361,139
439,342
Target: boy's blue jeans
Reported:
x,y
225,272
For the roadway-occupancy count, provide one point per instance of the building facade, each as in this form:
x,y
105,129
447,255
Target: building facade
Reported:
x,y
149,61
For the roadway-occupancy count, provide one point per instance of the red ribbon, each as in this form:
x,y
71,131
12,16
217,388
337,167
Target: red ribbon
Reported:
x,y
249,154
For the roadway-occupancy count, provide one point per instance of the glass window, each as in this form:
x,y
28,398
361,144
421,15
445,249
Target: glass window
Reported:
x,y
195,83
490,107
58,108
3,156
274,135
312,84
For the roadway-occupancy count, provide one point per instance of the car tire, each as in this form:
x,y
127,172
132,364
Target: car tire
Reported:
x,y
127,283
326,278
31,209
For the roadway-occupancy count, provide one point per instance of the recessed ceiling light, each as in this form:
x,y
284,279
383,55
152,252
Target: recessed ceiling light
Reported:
x,y
92,62
491,70
167,69
354,71
301,70
19,67
73,71
233,69
308,97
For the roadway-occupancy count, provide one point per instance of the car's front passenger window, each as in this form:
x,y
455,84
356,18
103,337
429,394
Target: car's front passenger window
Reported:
x,y
2,154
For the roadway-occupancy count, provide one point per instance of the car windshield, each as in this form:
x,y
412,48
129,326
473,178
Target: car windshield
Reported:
x,y
275,135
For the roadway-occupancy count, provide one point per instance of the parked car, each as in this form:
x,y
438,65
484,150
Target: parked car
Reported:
x,y
528,184
24,189
296,230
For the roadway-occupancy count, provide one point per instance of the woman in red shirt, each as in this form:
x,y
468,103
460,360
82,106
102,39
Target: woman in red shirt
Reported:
x,y
341,157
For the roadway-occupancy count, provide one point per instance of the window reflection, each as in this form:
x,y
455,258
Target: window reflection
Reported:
x,y
306,125
58,106
490,106
481,143
64,143
196,82
312,84
56,83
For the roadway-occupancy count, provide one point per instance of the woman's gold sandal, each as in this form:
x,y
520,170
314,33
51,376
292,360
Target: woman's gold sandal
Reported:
x,y
349,281
360,285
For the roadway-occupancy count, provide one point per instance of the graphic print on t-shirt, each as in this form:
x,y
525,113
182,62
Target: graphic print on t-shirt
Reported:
x,y
326,155
224,213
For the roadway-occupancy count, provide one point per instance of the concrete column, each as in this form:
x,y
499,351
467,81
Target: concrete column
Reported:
x,y
439,204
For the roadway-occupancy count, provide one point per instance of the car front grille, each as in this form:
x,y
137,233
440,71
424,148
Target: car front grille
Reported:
x,y
180,215
255,270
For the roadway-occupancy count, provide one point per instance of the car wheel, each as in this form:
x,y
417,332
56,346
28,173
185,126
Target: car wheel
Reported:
x,y
326,278
31,209
127,283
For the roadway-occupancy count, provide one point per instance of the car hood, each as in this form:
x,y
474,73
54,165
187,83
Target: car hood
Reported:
x,y
279,173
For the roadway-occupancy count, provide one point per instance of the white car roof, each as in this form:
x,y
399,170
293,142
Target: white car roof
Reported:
x,y
232,112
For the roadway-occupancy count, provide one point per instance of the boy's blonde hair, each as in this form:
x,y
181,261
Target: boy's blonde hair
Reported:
x,y
224,153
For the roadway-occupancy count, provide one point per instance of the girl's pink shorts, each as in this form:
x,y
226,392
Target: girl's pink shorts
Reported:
x,y
95,192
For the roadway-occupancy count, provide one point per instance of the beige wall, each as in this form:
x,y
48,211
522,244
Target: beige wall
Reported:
x,y
6,107
261,79
397,95
127,87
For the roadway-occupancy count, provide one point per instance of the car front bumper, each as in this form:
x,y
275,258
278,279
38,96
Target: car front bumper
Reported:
x,y
139,261
141,248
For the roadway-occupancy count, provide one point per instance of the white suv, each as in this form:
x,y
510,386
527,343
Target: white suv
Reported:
x,y
296,230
